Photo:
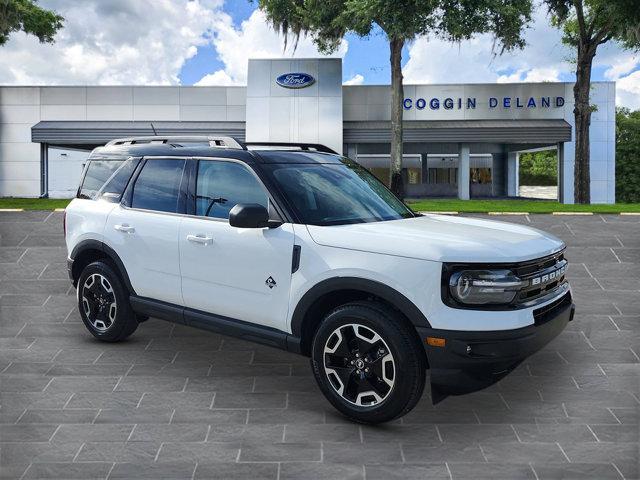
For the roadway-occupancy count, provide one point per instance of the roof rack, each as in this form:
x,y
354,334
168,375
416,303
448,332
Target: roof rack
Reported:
x,y
214,141
311,147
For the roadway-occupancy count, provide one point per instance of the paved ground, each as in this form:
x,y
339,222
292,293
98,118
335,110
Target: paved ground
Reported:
x,y
179,403
547,193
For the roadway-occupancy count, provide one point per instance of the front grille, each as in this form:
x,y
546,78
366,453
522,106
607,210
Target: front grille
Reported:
x,y
543,314
544,276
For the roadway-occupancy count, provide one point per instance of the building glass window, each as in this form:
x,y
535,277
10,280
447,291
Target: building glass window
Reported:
x,y
414,176
443,175
480,175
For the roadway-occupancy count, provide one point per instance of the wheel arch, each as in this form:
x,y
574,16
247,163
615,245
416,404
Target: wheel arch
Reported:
x,y
330,293
89,251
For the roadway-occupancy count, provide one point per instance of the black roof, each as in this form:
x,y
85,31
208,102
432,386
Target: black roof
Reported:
x,y
249,153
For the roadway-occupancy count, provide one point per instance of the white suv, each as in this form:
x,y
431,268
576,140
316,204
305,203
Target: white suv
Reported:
x,y
296,247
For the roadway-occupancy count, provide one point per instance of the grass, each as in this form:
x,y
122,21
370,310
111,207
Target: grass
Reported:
x,y
434,205
34,203
530,206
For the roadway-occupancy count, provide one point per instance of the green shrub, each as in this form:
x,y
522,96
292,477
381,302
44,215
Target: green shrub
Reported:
x,y
627,156
539,168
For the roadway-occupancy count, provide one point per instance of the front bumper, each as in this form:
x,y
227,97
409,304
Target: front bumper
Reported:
x,y
70,271
473,360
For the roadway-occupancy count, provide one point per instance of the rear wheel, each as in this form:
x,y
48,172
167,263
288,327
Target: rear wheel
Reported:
x,y
368,363
103,302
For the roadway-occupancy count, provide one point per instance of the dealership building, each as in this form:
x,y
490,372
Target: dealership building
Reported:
x,y
460,140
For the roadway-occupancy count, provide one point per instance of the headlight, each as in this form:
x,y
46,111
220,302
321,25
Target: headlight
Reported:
x,y
481,287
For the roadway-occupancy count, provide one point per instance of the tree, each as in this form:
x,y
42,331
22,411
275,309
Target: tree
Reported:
x,y
28,17
627,156
587,24
327,21
539,168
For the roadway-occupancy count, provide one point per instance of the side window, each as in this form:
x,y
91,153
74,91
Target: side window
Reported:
x,y
222,185
114,187
98,172
158,185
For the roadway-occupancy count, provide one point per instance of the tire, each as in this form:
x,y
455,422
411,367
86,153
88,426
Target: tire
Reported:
x,y
103,301
383,382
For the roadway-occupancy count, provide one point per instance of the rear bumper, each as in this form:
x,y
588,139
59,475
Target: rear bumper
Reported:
x,y
472,360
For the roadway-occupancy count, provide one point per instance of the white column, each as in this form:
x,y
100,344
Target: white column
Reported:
x,y
513,166
565,182
463,171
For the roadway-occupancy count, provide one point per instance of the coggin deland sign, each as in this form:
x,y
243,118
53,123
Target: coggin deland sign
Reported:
x,y
302,80
469,103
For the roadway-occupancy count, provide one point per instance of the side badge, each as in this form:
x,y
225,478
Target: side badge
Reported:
x,y
270,282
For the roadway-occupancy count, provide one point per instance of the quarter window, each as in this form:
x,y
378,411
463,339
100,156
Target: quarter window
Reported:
x,y
158,185
98,172
222,185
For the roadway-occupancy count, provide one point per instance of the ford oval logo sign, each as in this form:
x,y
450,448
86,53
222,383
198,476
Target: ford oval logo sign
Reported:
x,y
295,80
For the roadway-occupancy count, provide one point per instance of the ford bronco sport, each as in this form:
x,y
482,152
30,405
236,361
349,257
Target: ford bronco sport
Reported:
x,y
296,247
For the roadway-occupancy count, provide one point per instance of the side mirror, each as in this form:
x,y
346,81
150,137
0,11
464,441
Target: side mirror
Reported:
x,y
250,215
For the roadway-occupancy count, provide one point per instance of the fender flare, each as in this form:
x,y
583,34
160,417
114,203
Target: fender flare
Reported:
x,y
109,252
395,298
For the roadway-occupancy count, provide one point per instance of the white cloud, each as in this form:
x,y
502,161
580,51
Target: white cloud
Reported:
x,y
622,65
436,61
219,77
628,91
115,42
545,58
253,39
357,79
531,75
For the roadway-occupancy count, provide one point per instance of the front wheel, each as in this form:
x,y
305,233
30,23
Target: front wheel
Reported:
x,y
104,305
368,363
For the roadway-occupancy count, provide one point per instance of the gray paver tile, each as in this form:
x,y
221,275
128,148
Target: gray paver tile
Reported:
x,y
198,452
445,452
576,471
84,471
230,471
320,471
490,471
157,470
53,416
92,433
119,452
523,453
280,452
169,433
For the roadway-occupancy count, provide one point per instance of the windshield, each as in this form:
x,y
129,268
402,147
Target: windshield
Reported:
x,y
330,194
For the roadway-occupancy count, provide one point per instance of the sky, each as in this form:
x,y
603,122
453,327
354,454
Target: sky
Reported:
x,y
208,42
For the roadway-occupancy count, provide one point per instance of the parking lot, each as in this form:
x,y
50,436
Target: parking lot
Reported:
x,y
174,402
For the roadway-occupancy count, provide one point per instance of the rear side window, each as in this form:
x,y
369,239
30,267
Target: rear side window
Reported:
x,y
116,184
97,173
158,185
222,185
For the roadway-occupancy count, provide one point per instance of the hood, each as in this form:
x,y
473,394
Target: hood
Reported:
x,y
442,238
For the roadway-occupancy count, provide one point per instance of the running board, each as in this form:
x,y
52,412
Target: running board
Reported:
x,y
215,323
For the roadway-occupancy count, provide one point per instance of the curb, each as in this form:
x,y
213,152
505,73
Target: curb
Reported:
x,y
11,209
439,213
571,213
630,213
508,213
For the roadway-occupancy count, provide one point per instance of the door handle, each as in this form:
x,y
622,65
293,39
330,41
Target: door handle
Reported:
x,y
202,239
124,228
